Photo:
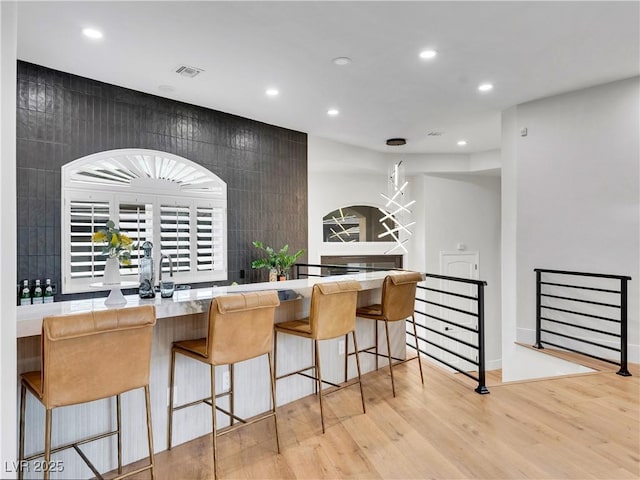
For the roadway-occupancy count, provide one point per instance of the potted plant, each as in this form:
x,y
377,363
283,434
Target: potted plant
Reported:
x,y
284,261
269,261
278,262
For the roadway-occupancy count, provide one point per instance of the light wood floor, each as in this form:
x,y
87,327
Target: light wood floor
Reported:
x,y
577,427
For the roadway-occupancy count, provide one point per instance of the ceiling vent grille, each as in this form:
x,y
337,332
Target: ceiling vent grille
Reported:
x,y
187,71
435,134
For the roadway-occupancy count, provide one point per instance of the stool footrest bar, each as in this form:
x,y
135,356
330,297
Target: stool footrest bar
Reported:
x,y
245,422
206,400
72,445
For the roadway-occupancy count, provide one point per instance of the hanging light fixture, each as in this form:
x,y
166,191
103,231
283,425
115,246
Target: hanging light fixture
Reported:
x,y
397,206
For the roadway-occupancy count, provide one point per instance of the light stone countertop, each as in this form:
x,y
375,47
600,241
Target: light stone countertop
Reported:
x,y
183,302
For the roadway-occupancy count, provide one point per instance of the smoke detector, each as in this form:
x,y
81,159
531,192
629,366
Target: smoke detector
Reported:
x,y
187,71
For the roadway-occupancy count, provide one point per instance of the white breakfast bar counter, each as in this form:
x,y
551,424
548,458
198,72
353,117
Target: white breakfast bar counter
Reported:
x,y
184,316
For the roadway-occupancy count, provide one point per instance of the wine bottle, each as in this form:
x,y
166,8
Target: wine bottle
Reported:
x,y
48,291
37,293
25,293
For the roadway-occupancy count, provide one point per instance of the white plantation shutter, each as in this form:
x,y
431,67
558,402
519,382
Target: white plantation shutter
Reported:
x,y
210,238
85,217
176,204
175,236
136,221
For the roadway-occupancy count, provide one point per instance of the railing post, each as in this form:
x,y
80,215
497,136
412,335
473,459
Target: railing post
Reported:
x,y
623,329
538,309
482,384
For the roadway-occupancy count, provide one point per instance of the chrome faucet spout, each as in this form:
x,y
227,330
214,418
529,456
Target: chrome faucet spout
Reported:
x,y
162,257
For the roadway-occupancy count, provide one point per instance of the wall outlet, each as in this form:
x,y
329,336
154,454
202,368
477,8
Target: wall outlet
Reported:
x,y
226,383
340,347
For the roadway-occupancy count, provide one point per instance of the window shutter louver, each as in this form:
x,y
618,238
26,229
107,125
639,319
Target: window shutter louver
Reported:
x,y
210,238
175,236
136,220
85,218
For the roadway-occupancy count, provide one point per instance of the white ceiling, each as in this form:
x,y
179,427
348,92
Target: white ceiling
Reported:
x,y
528,50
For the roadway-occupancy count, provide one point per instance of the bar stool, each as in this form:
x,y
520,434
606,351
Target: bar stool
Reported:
x,y
87,357
240,328
332,314
397,303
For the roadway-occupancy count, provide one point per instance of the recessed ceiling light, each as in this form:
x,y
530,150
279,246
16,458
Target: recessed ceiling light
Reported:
x,y
462,143
92,33
485,87
333,112
341,61
426,54
272,92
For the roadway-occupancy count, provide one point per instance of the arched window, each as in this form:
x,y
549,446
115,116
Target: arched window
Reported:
x,y
355,223
178,205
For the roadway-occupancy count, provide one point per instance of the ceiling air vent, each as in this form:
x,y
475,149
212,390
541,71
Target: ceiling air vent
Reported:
x,y
187,71
435,134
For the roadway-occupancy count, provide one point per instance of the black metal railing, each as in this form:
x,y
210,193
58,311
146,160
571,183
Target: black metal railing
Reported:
x,y
326,270
477,331
605,297
440,326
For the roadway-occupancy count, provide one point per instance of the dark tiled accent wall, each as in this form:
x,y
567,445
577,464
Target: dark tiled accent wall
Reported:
x,y
62,117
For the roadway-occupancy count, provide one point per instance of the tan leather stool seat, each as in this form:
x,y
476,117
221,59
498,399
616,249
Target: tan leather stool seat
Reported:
x,y
332,314
370,311
240,328
397,304
34,382
298,326
199,346
87,357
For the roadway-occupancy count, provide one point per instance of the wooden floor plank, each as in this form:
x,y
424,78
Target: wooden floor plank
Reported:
x,y
575,427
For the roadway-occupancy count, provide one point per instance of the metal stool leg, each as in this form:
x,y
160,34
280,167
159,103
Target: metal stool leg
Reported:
x,y
273,399
147,399
23,401
213,420
393,385
376,335
355,346
231,398
171,380
415,333
275,365
346,356
319,381
119,435
47,443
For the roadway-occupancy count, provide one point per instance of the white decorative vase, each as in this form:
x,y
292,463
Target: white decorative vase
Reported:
x,y
111,271
273,275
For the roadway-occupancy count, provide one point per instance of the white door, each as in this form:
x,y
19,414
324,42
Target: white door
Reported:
x,y
462,265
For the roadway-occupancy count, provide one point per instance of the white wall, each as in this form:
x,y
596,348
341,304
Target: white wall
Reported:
x,y
450,208
342,175
8,407
574,182
464,208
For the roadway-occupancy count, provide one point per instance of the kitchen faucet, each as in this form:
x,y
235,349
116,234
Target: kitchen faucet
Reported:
x,y
160,268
